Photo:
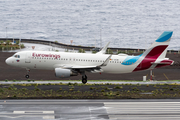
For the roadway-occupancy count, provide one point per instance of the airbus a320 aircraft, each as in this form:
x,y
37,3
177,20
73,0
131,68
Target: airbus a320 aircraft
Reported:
x,y
71,64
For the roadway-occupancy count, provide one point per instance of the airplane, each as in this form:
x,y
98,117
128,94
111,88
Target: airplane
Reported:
x,y
66,64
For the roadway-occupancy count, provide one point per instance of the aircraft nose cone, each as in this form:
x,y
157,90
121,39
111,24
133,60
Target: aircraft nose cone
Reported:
x,y
7,61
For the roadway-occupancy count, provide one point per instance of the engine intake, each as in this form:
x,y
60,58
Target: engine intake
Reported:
x,y
63,73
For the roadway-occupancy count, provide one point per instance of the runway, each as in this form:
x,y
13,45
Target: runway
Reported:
x,y
90,109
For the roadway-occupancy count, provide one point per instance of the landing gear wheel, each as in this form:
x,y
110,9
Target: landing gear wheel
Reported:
x,y
84,79
27,76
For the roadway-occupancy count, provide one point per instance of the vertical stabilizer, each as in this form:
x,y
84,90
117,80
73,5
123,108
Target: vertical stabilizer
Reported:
x,y
159,48
156,53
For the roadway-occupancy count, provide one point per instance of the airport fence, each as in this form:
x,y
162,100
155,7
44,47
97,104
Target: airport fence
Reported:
x,y
75,47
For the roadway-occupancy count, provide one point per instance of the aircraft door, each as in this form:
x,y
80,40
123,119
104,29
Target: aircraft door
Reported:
x,y
28,58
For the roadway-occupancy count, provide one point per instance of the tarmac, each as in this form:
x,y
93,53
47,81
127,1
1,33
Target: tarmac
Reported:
x,y
90,109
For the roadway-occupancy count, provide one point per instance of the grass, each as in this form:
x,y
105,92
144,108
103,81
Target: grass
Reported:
x,y
97,80
89,91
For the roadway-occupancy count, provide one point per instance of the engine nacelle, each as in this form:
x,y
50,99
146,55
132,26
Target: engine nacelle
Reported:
x,y
63,73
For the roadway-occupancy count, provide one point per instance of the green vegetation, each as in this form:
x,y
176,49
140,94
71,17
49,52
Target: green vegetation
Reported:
x,y
94,52
109,51
81,50
7,45
89,91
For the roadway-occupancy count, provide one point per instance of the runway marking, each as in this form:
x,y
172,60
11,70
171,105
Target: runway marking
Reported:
x,y
143,110
48,117
33,112
93,110
142,103
51,112
18,112
44,117
43,114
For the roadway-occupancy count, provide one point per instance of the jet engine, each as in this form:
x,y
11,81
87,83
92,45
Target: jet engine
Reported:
x,y
63,73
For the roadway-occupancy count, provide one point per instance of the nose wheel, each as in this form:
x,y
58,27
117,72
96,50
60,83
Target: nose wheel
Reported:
x,y
27,75
84,79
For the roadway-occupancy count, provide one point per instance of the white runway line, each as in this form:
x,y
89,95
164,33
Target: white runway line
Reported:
x,y
48,117
18,112
48,112
33,112
143,110
43,114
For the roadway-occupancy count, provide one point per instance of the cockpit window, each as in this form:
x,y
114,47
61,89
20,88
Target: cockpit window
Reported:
x,y
17,56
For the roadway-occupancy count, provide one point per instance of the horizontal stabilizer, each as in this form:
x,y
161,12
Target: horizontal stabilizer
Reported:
x,y
163,63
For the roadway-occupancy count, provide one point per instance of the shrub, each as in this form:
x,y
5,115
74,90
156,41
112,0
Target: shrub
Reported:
x,y
171,89
81,51
8,42
70,83
1,42
118,87
1,90
102,90
9,88
37,89
24,89
22,46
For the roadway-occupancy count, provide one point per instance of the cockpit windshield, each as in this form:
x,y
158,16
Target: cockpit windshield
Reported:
x,y
17,56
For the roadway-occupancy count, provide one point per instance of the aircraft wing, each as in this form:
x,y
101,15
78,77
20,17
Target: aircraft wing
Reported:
x,y
76,67
95,68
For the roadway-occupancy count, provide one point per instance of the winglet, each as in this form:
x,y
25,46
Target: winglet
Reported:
x,y
103,51
106,61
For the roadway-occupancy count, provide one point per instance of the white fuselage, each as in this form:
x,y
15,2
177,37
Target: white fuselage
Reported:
x,y
50,60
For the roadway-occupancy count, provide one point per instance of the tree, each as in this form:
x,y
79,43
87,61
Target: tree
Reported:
x,y
1,42
8,42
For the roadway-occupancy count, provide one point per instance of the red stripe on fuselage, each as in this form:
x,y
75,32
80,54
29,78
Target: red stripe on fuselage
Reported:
x,y
151,57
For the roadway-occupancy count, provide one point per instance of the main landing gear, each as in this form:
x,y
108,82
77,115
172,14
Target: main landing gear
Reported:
x,y
27,75
84,79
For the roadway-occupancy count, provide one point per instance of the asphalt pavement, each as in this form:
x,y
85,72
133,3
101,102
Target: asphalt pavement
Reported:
x,y
138,109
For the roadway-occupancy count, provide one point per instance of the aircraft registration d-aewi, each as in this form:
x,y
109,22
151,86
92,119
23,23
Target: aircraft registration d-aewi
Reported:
x,y
72,64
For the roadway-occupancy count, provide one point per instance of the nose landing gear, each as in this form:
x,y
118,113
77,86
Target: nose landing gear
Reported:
x,y
27,75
